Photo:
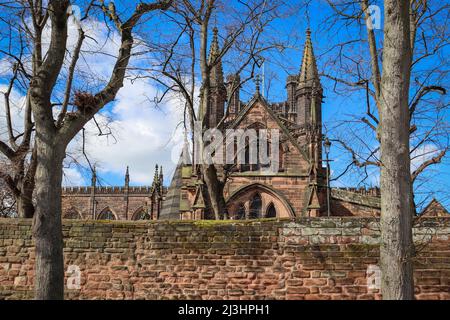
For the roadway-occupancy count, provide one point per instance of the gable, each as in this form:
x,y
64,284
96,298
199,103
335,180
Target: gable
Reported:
x,y
258,111
435,209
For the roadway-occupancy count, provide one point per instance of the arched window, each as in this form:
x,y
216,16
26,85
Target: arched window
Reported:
x,y
255,207
271,212
72,213
106,214
141,214
241,212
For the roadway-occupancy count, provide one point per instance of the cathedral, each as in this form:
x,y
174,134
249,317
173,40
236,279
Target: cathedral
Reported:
x,y
299,188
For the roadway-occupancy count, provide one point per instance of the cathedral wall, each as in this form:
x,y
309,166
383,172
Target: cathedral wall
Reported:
x,y
307,258
343,208
291,188
116,203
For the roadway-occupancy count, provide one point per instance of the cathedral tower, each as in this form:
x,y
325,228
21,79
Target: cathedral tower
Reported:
x,y
305,95
218,93
309,92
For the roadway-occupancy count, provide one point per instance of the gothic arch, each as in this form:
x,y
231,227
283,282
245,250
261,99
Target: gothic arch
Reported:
x,y
268,196
140,214
72,213
107,214
271,212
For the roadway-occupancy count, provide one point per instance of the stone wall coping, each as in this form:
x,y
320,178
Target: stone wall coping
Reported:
x,y
302,221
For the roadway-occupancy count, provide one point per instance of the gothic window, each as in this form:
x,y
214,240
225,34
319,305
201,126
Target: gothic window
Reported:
x,y
271,212
141,214
106,214
241,212
255,207
266,151
246,165
72,213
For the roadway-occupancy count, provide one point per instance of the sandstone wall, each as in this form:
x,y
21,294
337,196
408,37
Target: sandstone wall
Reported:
x,y
310,258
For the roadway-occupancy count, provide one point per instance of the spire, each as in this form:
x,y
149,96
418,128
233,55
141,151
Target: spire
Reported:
x,y
217,78
308,71
218,95
214,50
127,177
155,177
161,176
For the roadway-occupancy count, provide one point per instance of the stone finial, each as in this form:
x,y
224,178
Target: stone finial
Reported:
x,y
155,177
127,177
258,85
161,176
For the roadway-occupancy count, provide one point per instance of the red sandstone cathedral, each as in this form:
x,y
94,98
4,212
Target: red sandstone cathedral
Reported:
x,y
298,189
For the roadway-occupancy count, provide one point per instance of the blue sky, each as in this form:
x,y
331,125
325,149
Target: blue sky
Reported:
x,y
145,135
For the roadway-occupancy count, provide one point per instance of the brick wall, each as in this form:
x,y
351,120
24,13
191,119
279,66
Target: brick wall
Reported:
x,y
321,258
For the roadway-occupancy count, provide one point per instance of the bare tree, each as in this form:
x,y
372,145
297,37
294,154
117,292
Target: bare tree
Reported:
x,y
56,127
7,202
16,144
396,250
187,65
411,34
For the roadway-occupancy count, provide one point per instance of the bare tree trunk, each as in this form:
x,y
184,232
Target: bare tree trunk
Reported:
x,y
215,191
396,217
47,228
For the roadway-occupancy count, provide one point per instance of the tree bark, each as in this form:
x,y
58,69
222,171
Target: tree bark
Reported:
x,y
396,217
52,137
215,191
47,227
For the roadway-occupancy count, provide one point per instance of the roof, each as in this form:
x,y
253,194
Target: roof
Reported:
x,y
171,205
258,98
435,209
308,71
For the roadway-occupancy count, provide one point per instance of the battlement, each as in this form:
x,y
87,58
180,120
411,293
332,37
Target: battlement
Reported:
x,y
107,190
279,107
367,197
374,192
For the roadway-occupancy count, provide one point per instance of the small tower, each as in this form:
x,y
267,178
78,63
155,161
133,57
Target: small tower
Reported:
x,y
218,94
308,100
291,87
233,91
308,86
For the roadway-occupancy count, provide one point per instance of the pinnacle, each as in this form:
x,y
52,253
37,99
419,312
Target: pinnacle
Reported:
x,y
308,71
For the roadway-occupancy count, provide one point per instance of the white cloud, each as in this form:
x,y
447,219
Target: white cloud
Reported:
x,y
422,154
144,134
72,177
17,103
